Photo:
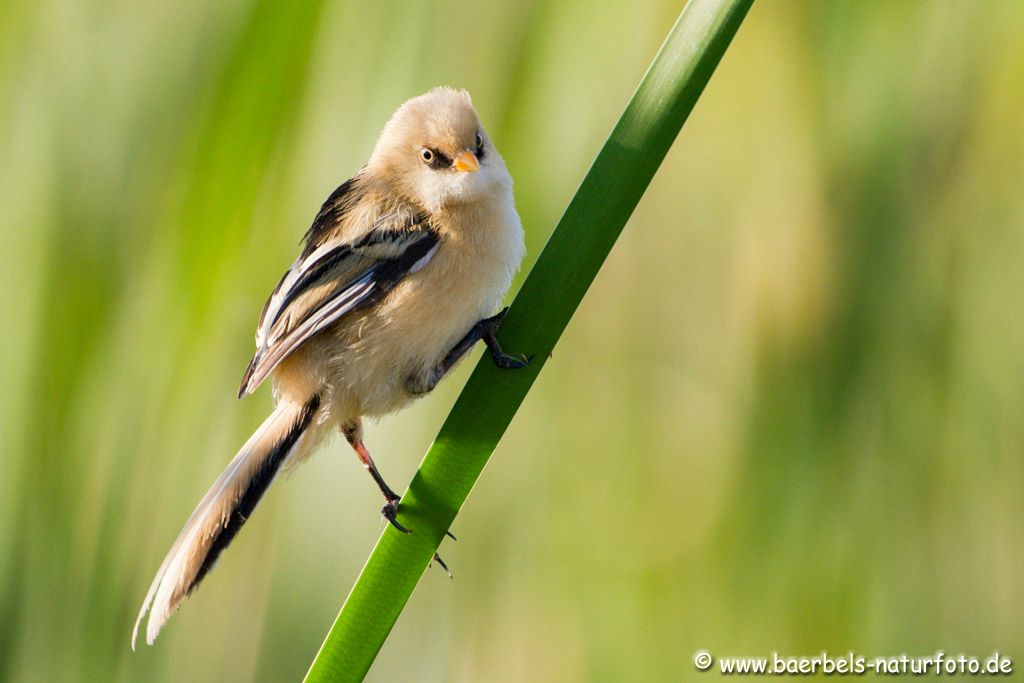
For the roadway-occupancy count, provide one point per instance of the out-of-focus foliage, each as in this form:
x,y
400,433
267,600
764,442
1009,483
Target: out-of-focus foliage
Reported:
x,y
787,417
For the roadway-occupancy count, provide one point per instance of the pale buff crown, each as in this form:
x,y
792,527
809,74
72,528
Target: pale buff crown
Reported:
x,y
442,120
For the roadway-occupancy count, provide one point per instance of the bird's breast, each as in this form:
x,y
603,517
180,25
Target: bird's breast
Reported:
x,y
415,326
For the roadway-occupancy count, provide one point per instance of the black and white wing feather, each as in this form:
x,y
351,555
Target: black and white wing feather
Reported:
x,y
333,277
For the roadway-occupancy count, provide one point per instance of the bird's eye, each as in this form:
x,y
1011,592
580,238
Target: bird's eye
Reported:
x,y
427,155
479,141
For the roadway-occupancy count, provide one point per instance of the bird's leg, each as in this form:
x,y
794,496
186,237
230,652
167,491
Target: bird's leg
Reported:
x,y
426,384
485,330
352,434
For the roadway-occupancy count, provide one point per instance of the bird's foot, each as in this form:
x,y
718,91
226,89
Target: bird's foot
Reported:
x,y
437,558
390,510
488,329
507,361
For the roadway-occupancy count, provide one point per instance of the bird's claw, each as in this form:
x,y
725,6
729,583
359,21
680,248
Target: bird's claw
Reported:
x,y
437,558
390,510
507,361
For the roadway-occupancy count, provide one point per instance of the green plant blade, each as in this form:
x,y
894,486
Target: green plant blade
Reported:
x,y
556,285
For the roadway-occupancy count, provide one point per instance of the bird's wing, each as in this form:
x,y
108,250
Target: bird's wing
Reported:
x,y
336,275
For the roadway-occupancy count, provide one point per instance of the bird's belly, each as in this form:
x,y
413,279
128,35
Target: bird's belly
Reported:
x,y
409,333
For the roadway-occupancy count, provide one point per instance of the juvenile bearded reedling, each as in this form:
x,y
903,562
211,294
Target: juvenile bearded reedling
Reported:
x,y
400,275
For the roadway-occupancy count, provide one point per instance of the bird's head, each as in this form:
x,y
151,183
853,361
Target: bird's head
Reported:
x,y
436,152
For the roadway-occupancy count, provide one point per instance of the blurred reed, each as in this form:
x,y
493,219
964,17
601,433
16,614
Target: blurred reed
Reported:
x,y
787,417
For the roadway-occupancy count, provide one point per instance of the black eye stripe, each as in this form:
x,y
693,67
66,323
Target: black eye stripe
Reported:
x,y
441,160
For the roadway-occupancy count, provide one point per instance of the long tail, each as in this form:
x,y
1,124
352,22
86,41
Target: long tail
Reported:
x,y
223,511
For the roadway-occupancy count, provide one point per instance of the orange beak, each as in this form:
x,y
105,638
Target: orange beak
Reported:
x,y
466,162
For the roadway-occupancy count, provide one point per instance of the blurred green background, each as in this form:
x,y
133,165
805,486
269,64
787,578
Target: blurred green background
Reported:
x,y
788,416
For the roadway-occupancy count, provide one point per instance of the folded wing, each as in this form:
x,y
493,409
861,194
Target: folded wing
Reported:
x,y
334,277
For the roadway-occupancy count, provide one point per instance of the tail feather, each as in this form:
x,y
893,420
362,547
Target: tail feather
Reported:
x,y
223,511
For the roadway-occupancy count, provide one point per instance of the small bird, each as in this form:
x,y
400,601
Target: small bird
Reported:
x,y
399,276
